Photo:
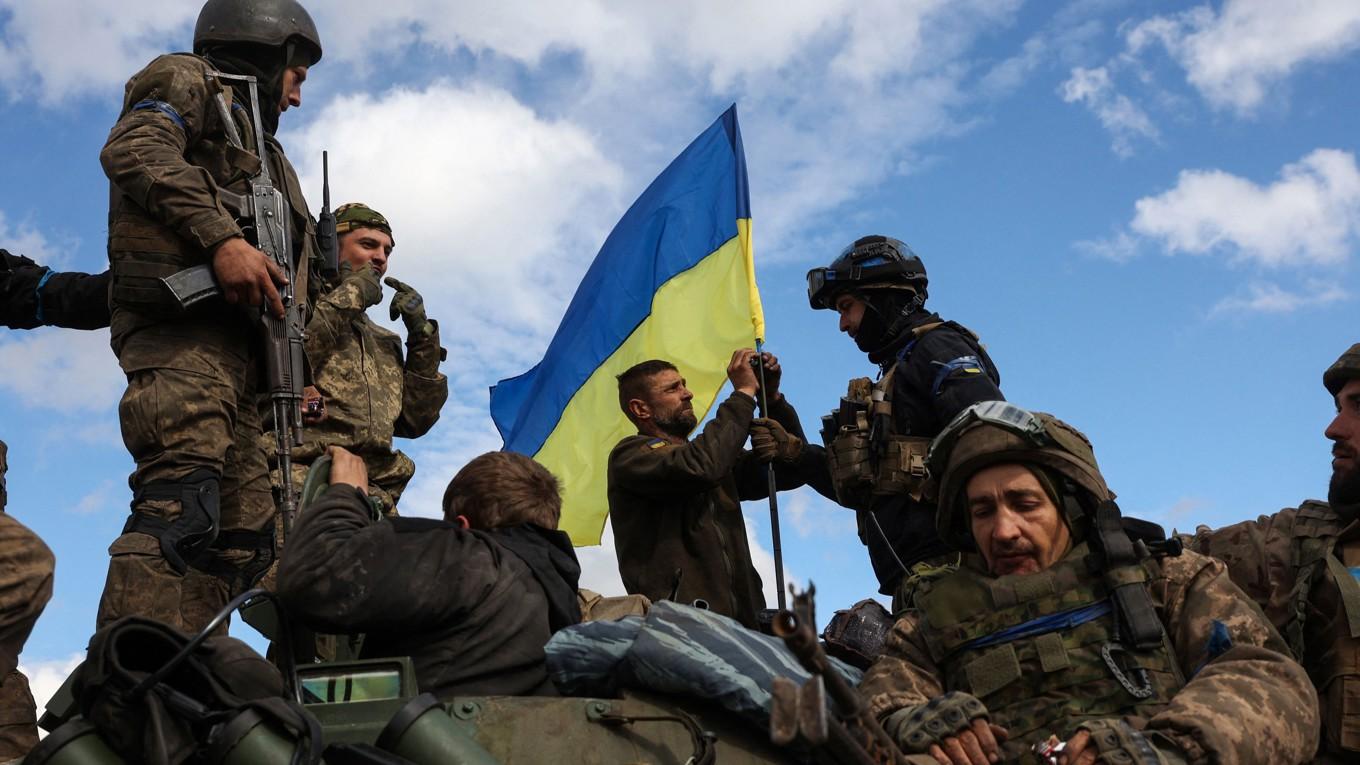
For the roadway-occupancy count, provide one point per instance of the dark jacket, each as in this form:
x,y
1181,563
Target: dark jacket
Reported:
x,y
34,296
473,609
679,507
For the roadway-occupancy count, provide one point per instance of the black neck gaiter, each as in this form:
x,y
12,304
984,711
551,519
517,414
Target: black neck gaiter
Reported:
x,y
266,64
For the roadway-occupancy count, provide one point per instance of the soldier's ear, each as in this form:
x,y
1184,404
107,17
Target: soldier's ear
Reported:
x,y
462,522
639,410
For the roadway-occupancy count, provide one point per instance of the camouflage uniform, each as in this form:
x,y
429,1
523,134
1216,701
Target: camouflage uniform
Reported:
x,y
189,415
1160,657
26,567
371,392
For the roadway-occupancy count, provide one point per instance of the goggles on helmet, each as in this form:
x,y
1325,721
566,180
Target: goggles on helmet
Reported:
x,y
1002,414
879,262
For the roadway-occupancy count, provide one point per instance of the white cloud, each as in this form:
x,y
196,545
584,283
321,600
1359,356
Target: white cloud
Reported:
x,y
1309,216
1120,248
1234,56
1125,121
811,515
24,239
1265,297
45,677
57,49
97,499
62,370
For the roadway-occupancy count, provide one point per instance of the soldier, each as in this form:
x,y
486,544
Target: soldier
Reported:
x,y
472,599
1065,620
180,160
1295,565
371,392
930,370
33,296
675,503
26,567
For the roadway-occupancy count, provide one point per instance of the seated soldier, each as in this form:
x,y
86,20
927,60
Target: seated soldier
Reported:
x,y
472,599
1059,627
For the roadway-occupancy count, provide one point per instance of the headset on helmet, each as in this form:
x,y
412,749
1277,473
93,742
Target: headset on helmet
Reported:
x,y
263,22
872,262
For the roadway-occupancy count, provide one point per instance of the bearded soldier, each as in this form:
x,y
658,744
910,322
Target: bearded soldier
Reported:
x,y
1300,565
370,391
1069,625
183,160
929,371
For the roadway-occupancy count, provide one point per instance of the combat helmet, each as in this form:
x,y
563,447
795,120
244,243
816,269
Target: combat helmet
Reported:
x,y
996,432
264,22
871,263
1345,369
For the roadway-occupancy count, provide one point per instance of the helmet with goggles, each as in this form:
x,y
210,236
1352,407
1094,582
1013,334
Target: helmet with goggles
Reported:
x,y
871,263
997,432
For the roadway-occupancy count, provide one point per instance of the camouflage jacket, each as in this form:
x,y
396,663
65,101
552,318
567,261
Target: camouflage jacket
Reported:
x,y
1248,704
372,391
34,296
679,507
1265,558
179,185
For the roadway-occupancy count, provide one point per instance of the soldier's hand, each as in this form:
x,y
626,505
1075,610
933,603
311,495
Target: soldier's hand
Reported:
x,y
773,373
978,745
348,469
771,442
741,374
313,406
364,282
247,275
408,304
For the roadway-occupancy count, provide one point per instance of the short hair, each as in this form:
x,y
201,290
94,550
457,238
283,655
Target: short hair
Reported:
x,y
633,382
504,489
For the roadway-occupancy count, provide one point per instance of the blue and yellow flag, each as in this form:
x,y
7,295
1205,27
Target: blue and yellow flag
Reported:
x,y
675,280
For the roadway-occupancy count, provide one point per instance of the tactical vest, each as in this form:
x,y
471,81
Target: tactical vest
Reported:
x,y
1336,670
1043,676
868,458
143,250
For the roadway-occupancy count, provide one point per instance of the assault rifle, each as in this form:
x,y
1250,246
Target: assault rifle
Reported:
x,y
264,219
850,735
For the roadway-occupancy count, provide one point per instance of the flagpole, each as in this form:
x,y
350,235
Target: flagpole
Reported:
x,y
774,500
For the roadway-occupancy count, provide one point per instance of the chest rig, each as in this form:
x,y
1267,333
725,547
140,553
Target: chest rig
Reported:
x,y
1334,662
1046,651
868,458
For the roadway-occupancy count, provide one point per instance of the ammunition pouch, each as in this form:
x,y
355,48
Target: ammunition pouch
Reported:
x,y
186,538
859,475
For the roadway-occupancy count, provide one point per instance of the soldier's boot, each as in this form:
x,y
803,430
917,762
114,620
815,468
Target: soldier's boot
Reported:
x,y
18,717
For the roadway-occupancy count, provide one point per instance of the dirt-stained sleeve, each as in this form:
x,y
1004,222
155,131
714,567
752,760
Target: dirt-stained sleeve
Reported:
x,y
648,467
1257,554
904,674
332,313
1249,704
338,568
424,388
170,107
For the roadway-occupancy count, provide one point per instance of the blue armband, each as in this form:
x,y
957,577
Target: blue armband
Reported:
x,y
163,108
37,294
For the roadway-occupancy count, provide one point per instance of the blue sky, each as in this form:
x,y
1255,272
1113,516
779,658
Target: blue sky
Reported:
x,y
1148,211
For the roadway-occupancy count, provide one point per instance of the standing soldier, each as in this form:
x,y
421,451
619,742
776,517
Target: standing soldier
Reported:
x,y
181,160
370,391
1300,565
929,371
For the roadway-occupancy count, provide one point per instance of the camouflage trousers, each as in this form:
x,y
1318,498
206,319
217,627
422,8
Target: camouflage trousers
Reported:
x,y
191,404
26,567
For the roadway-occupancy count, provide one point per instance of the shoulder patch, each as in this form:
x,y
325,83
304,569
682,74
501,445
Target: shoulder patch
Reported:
x,y
962,367
655,443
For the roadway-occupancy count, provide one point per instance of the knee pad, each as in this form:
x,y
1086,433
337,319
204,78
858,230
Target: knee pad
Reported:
x,y
189,535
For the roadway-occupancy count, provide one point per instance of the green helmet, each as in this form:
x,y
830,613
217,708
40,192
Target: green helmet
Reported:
x,y
263,22
1345,369
872,262
996,432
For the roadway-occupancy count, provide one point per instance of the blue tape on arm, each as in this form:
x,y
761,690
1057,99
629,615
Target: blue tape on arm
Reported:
x,y
163,108
950,367
37,294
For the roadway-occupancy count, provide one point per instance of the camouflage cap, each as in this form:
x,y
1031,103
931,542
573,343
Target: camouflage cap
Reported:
x,y
993,433
359,215
1345,369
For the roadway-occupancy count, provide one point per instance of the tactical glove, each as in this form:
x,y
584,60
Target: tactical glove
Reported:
x,y
1116,742
771,442
357,289
916,728
410,306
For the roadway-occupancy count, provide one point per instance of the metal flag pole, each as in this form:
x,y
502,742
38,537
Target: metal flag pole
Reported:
x,y
769,474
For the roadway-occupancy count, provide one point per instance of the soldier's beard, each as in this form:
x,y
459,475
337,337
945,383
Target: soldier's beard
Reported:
x,y
679,424
1344,492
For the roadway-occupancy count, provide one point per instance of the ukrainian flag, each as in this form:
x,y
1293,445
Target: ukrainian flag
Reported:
x,y
675,280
